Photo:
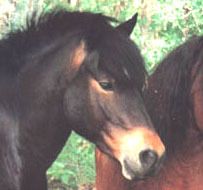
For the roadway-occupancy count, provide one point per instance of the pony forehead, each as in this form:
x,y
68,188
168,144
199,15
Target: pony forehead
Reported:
x,y
124,63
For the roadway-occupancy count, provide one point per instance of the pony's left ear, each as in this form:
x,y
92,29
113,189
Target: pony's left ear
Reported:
x,y
128,26
92,62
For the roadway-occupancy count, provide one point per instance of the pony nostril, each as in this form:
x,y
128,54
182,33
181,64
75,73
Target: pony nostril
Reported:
x,y
148,159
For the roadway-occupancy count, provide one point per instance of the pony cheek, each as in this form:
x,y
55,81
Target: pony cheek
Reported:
x,y
74,108
77,112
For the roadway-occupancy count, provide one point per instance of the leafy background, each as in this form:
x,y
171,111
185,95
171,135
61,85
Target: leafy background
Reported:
x,y
162,25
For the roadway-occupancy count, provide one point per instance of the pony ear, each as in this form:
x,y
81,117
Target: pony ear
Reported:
x,y
77,58
92,62
128,26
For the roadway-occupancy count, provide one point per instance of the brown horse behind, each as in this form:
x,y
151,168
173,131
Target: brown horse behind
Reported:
x,y
174,99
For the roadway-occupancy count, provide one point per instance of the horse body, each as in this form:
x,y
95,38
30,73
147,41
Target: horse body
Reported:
x,y
174,100
71,71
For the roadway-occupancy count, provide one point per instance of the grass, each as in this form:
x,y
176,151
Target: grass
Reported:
x,y
75,164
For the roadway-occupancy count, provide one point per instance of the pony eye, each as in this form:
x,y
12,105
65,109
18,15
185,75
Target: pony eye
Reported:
x,y
106,85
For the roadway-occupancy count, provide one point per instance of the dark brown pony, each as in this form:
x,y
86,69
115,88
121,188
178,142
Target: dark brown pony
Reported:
x,y
174,99
72,71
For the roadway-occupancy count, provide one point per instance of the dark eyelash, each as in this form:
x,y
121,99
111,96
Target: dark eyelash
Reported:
x,y
106,85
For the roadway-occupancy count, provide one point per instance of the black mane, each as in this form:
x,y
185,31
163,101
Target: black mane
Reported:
x,y
171,109
46,32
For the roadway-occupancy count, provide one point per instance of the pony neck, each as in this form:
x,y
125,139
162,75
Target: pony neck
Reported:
x,y
168,97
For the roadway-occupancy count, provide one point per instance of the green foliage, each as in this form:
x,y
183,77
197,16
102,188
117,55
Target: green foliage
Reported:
x,y
162,25
75,164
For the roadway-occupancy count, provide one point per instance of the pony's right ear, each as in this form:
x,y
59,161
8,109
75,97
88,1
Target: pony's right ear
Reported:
x,y
77,58
128,26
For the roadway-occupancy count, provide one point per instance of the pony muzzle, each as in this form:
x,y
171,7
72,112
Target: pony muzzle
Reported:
x,y
140,151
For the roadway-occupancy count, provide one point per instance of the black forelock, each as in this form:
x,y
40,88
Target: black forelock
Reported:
x,y
121,58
